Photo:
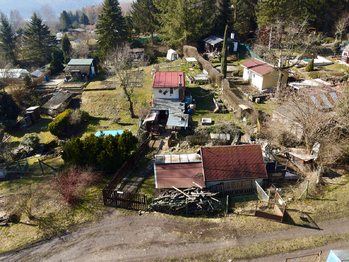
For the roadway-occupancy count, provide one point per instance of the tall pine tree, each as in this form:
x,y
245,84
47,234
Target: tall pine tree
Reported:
x,y
66,48
84,19
184,21
224,17
110,28
144,16
38,41
224,54
7,41
65,20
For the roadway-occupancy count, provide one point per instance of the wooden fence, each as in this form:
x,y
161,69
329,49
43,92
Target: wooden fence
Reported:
x,y
127,200
112,197
233,188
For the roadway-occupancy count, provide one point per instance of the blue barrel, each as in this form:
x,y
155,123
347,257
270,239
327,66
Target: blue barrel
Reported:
x,y
46,78
190,112
91,75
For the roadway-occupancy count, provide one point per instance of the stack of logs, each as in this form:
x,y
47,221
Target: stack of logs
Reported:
x,y
191,201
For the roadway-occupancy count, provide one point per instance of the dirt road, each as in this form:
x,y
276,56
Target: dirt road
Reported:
x,y
138,238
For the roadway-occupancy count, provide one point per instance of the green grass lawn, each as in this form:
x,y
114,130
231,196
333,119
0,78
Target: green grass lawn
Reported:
x,y
52,215
205,106
39,128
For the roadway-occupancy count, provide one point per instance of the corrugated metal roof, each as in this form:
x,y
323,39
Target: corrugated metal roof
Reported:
x,y
258,66
177,158
168,79
213,40
176,110
180,175
221,163
80,62
57,100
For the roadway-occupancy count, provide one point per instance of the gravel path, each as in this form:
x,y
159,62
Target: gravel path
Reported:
x,y
138,238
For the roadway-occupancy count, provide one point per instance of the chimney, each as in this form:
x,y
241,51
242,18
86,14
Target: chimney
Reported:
x,y
180,81
232,35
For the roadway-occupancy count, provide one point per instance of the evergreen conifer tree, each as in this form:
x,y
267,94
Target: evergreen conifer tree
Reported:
x,y
310,66
224,16
38,41
144,16
110,27
224,54
56,64
65,19
84,19
66,48
185,21
7,41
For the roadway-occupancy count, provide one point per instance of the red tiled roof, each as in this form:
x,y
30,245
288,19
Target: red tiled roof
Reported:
x,y
233,162
178,175
168,79
258,66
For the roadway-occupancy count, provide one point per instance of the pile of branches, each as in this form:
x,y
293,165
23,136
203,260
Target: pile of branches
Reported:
x,y
191,201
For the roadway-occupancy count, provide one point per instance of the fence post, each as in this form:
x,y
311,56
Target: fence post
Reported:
x,y
186,206
146,203
306,192
227,205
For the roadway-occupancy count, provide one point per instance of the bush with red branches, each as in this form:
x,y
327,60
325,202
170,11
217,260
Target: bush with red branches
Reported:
x,y
72,184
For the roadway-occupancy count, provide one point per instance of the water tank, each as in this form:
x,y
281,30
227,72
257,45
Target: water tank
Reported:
x,y
46,78
192,106
190,112
258,100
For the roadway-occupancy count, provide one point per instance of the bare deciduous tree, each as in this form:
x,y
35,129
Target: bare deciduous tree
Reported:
x,y
128,71
294,43
340,26
323,126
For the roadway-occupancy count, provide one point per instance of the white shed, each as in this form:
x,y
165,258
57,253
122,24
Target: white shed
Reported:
x,y
172,55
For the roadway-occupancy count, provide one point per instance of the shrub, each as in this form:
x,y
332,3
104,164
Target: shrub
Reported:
x,y
15,216
104,152
66,121
30,142
71,185
328,40
59,125
198,139
314,75
310,66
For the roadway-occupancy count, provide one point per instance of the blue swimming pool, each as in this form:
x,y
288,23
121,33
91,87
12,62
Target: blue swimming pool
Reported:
x,y
110,132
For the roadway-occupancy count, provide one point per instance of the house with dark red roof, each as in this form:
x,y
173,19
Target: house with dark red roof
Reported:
x,y
169,85
228,170
233,170
262,75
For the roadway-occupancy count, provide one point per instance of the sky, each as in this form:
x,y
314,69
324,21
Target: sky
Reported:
x,y
27,7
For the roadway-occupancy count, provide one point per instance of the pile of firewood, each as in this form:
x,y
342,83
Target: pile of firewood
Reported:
x,y
191,201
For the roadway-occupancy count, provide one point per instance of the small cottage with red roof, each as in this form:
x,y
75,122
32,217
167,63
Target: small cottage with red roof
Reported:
x,y
262,75
169,85
233,170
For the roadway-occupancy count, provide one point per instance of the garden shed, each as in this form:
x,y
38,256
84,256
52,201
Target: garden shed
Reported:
x,y
262,75
172,55
13,73
58,103
80,70
233,170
